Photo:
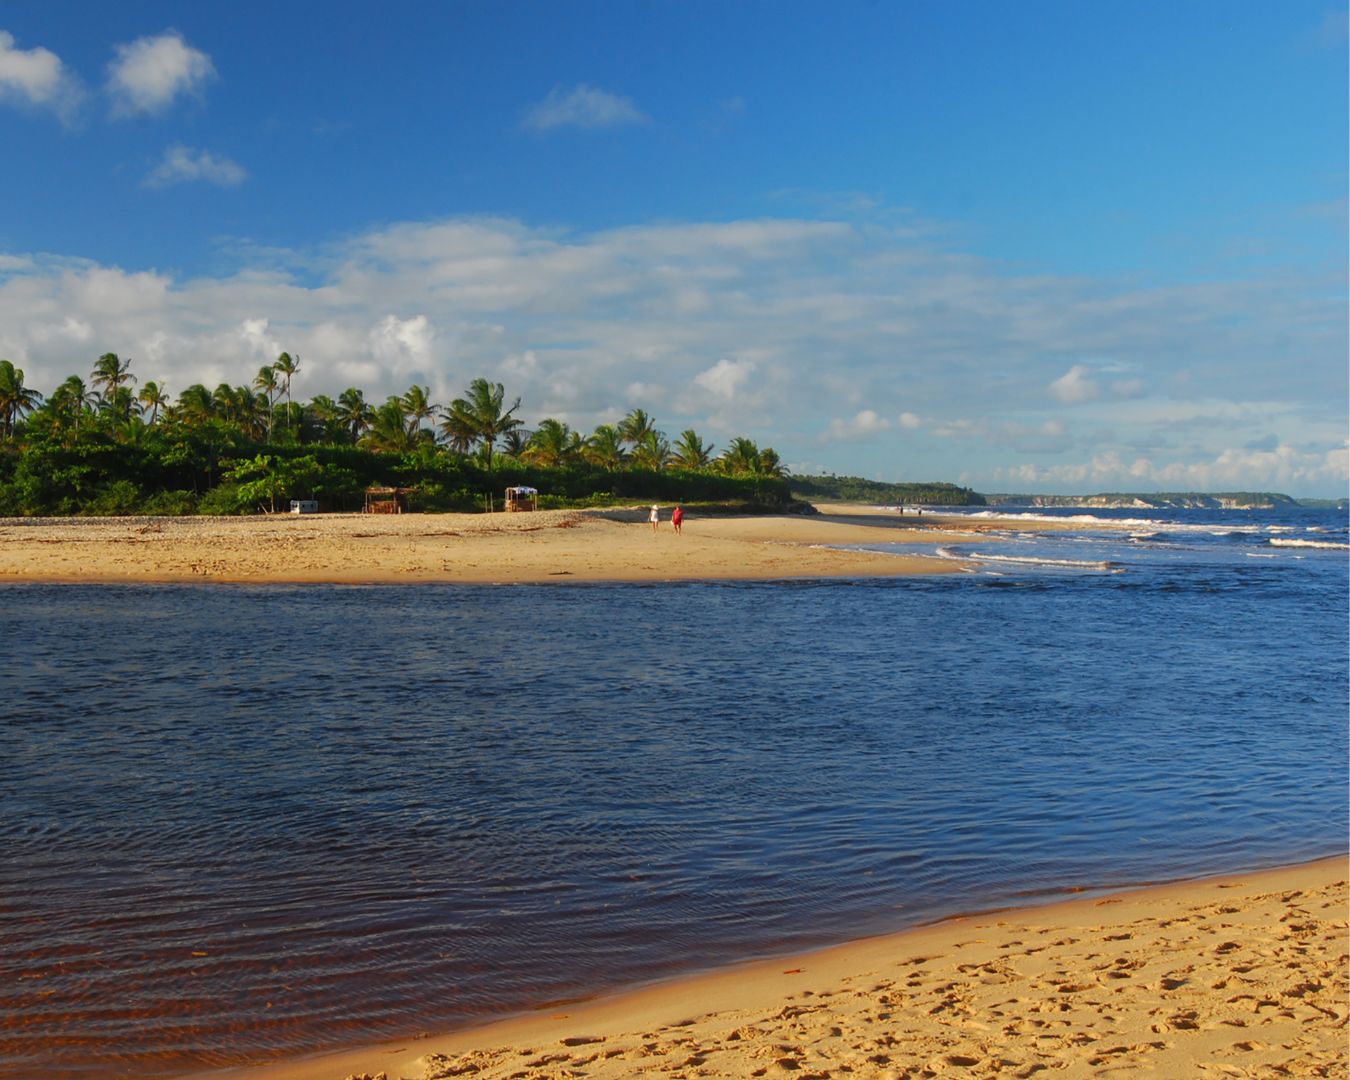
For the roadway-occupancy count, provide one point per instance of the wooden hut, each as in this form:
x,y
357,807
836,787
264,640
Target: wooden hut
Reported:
x,y
521,498
386,500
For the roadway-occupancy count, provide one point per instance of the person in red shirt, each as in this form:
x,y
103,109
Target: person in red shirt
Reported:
x,y
677,518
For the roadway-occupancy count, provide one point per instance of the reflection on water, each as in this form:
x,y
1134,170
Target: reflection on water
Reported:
x,y
241,821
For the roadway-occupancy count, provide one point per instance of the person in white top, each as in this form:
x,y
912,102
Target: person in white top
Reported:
x,y
654,517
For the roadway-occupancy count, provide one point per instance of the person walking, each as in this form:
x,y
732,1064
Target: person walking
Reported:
x,y
654,517
677,518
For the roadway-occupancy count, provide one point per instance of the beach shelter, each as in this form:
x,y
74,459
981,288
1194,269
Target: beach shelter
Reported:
x,y
521,498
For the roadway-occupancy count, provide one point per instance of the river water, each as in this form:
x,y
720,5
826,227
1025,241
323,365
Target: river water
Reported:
x,y
243,822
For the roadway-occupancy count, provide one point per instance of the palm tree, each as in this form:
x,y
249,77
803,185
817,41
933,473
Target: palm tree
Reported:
x,y
480,416
110,373
770,464
389,427
652,451
287,366
239,405
196,405
605,448
73,397
152,396
553,444
742,456
267,382
633,428
322,413
515,442
417,404
353,412
16,400
691,452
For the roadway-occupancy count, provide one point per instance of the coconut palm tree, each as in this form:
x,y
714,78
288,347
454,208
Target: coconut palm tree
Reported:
x,y
652,451
481,416
72,400
321,417
286,368
154,398
110,373
742,456
770,464
604,447
196,405
389,428
266,382
418,407
691,452
16,400
554,444
515,441
633,428
353,412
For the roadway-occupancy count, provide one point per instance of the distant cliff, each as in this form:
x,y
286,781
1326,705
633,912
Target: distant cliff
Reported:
x,y
1158,500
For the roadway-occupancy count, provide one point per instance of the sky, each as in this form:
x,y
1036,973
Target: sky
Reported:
x,y
1033,247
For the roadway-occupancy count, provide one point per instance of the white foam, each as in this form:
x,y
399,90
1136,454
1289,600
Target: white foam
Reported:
x,y
1276,541
1031,560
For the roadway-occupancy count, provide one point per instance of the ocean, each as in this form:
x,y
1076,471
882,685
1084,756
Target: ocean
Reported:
x,y
245,822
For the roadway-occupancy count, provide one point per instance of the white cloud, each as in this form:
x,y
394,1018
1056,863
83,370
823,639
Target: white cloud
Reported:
x,y
150,72
584,107
799,321
182,164
725,378
402,346
1074,387
37,77
864,423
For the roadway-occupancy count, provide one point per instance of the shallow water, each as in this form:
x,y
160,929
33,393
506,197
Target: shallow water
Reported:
x,y
239,821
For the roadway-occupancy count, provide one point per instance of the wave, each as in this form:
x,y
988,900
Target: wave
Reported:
x,y
1277,541
1029,560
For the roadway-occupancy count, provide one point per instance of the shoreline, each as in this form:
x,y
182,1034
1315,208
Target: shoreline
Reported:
x,y
1244,974
544,547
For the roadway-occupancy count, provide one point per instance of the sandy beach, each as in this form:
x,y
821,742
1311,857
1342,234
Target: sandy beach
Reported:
x,y
547,546
1243,976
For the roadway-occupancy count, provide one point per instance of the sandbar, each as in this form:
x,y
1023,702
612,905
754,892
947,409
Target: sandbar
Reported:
x,y
1240,976
545,546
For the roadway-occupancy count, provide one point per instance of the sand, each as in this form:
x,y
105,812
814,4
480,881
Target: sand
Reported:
x,y
1242,976
548,546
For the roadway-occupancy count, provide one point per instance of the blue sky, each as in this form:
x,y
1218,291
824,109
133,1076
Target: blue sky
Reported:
x,y
1039,246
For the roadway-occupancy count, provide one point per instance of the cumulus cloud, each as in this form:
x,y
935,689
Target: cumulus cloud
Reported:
x,y
1074,386
182,164
584,107
862,424
38,78
726,378
148,74
402,346
799,321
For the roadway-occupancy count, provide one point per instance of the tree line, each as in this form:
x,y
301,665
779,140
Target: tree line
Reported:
x,y
111,444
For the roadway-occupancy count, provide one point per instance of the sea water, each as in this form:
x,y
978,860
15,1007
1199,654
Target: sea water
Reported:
x,y
241,822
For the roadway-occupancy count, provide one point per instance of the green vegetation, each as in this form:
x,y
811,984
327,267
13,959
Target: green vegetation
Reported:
x,y
103,448
855,489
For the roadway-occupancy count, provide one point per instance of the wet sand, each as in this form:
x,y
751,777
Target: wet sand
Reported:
x,y
547,546
1244,976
